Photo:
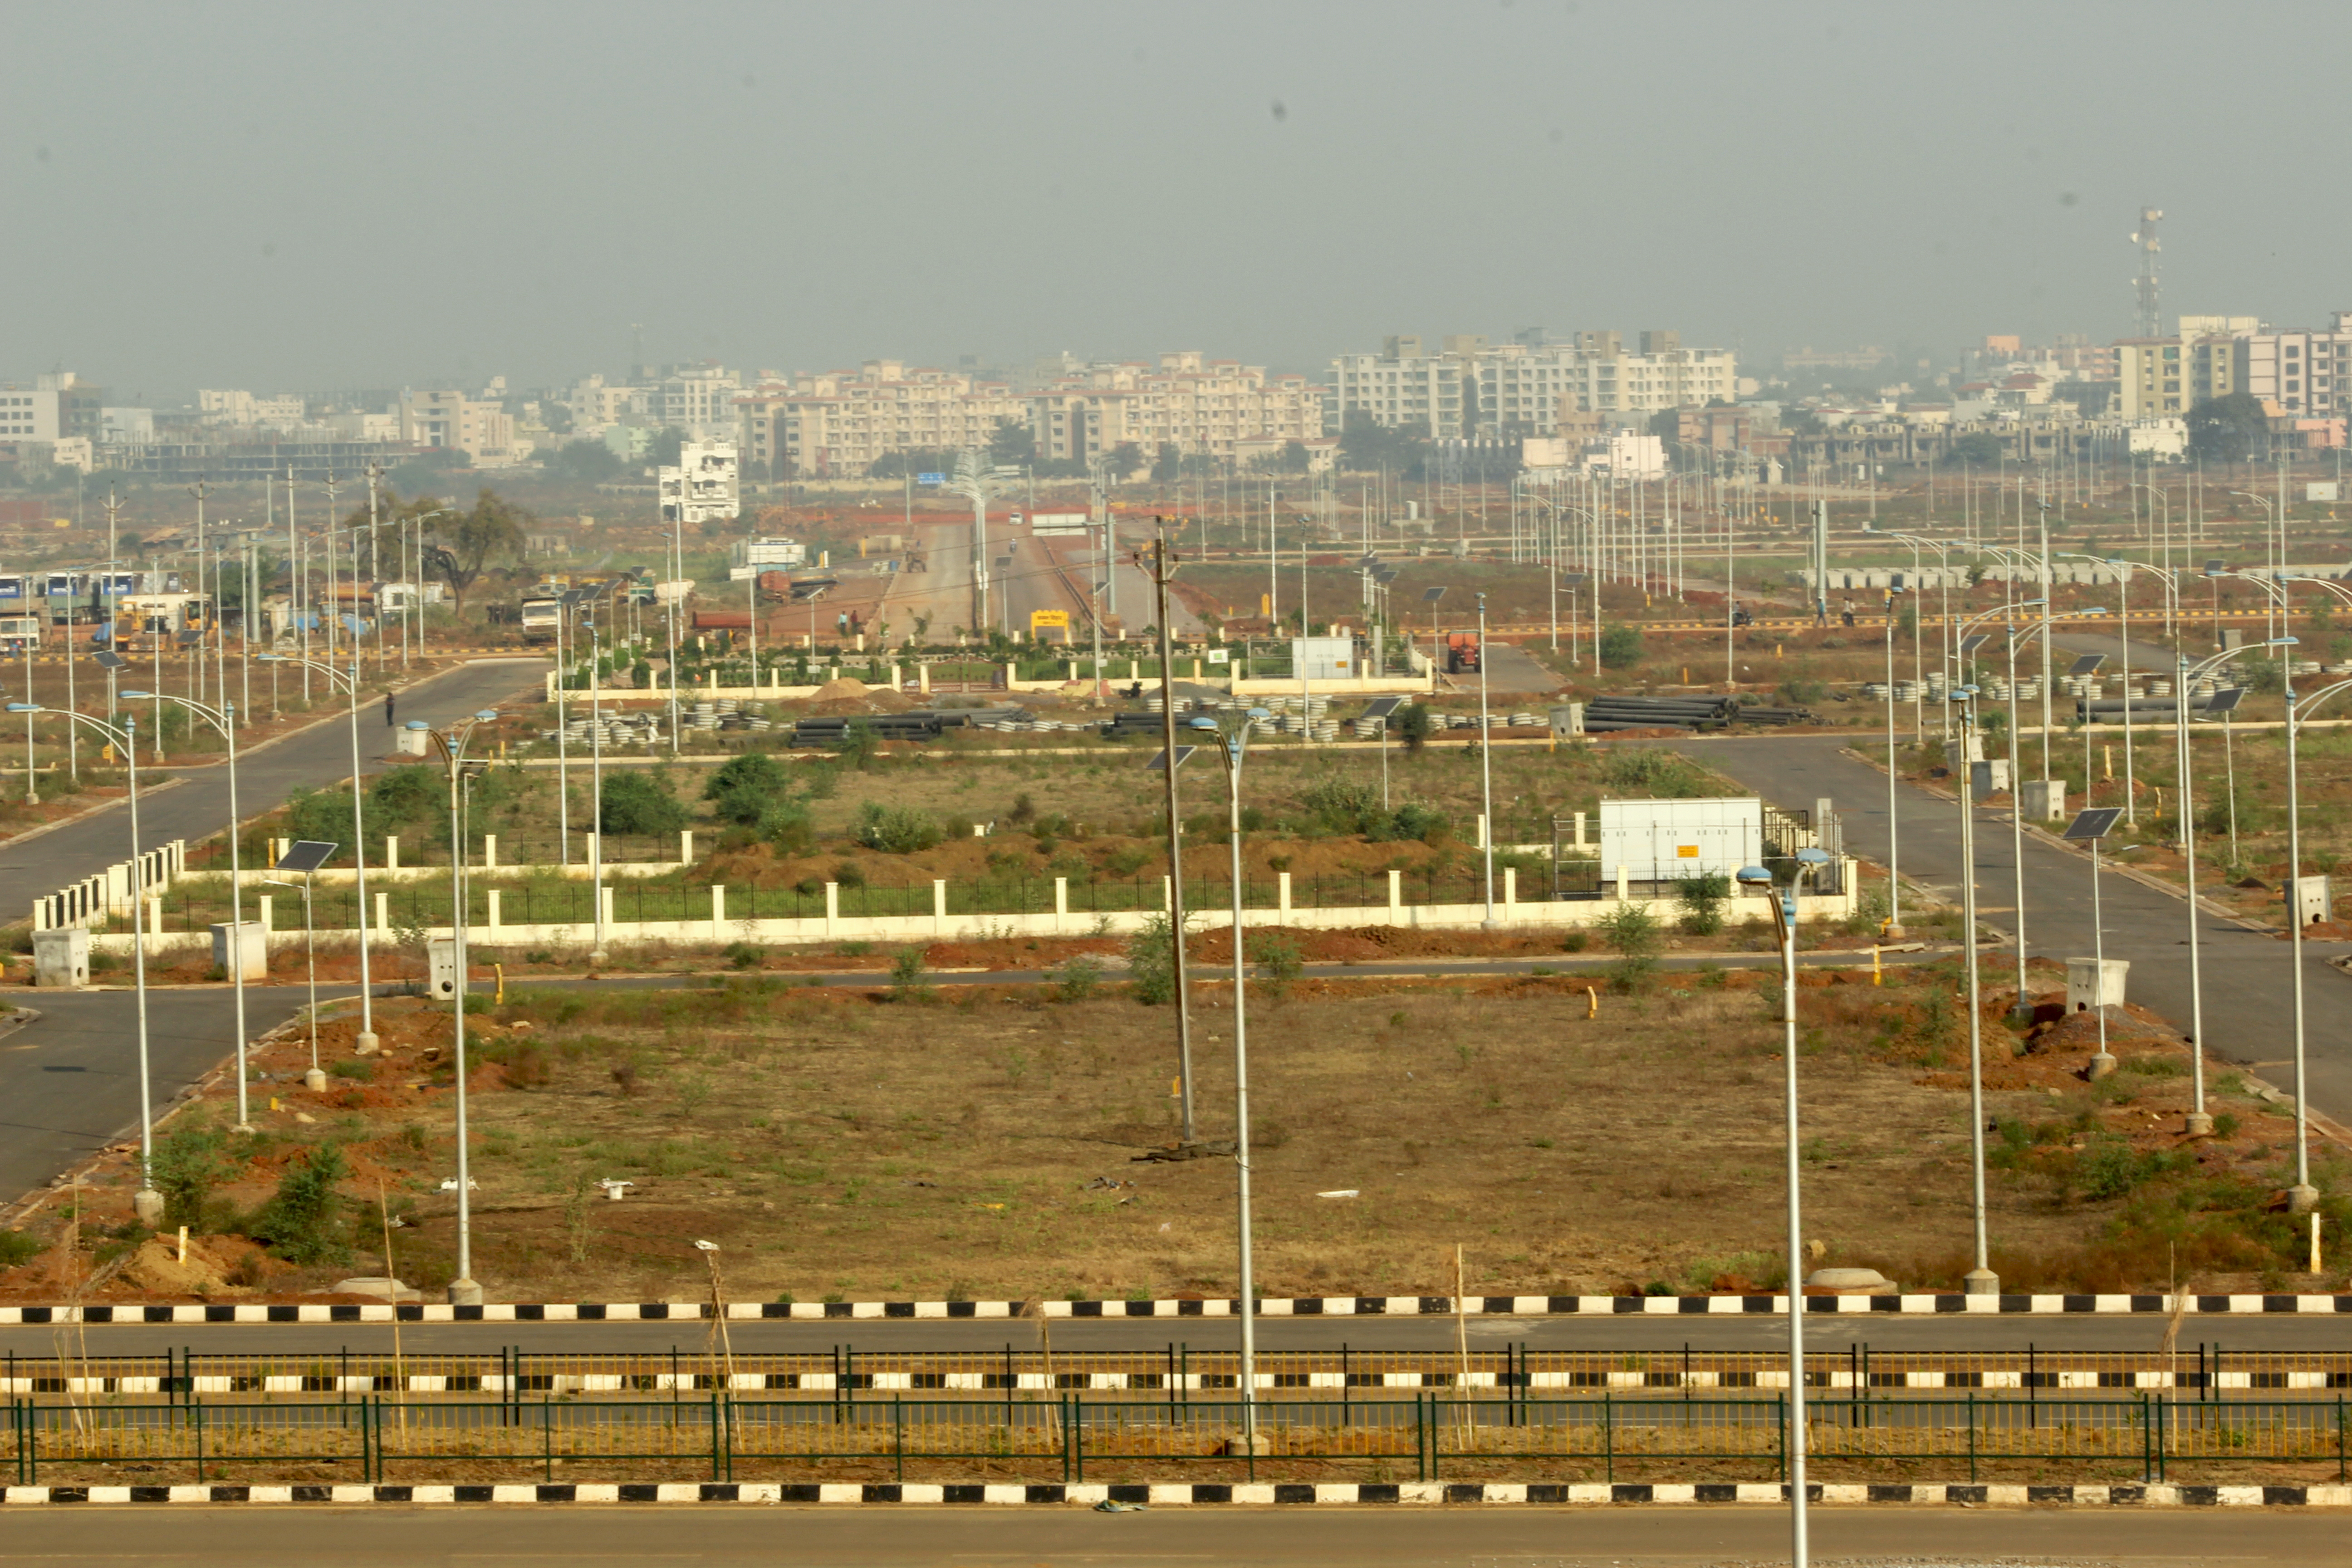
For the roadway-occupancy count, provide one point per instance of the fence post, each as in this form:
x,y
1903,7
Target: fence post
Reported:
x,y
898,1434
714,1435
546,1434
1064,1400
1780,1401
1972,1436
1608,1437
198,1405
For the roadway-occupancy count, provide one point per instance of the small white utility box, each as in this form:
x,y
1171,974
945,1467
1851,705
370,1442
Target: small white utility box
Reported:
x,y
442,979
2043,800
61,957
253,949
1988,777
2088,986
413,740
1952,751
1567,720
2315,899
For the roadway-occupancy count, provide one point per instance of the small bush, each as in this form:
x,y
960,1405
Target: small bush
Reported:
x,y
894,829
1075,980
1279,963
302,1221
16,1248
1620,647
1702,899
1654,772
359,1069
907,977
1632,931
740,955
1151,963
188,1164
637,801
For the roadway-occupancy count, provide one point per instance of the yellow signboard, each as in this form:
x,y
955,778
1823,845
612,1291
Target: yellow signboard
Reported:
x,y
1040,619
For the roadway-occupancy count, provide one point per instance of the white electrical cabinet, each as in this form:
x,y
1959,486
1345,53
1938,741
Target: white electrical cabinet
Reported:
x,y
1668,840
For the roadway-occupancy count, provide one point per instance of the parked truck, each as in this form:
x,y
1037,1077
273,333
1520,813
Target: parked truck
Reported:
x,y
1462,653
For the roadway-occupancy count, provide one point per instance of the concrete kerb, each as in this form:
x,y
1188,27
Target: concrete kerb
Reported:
x,y
1264,1494
1919,1304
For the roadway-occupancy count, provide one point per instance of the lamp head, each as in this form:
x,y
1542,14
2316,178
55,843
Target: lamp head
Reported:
x,y
138,696
1753,877
24,708
1812,857
487,714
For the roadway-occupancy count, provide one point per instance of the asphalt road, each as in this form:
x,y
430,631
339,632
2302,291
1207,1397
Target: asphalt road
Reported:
x,y
2248,1011
1457,1537
198,807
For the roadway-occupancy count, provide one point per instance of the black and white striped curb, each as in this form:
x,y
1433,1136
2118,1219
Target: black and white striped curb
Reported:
x,y
1274,1307
564,1384
1196,1494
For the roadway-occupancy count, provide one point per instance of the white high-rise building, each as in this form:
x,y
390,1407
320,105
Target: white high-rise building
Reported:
x,y
1472,389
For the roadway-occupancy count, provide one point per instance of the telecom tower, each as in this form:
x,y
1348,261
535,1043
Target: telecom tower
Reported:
x,y
2145,288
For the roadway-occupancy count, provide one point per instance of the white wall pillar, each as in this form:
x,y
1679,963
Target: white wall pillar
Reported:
x,y
1167,895
1282,895
686,845
832,907
1482,832
1396,898
718,911
1625,884
490,851
263,918
1511,892
923,678
382,922
608,892
391,852
1061,903
492,923
939,899
1579,830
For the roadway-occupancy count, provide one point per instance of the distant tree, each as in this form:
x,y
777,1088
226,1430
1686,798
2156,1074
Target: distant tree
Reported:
x,y
429,468
1399,448
1169,465
586,462
1979,448
1294,458
1124,459
1012,442
2228,429
492,529
898,465
663,450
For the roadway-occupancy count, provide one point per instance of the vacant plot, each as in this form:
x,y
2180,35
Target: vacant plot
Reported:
x,y
893,1142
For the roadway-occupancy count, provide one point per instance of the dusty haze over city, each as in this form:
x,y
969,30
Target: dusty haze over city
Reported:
x,y
322,197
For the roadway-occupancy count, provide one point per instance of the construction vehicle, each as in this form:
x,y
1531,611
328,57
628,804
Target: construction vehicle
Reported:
x,y
1462,653
541,614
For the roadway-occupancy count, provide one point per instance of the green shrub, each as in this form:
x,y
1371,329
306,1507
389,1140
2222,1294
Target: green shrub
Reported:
x,y
906,976
638,801
303,1222
1653,772
1620,647
1075,980
1413,726
740,954
894,829
747,787
1634,931
359,1069
16,1247
1151,963
188,1164
1279,963
1702,899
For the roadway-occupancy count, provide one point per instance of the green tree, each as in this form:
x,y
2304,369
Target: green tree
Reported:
x,y
1981,448
746,786
586,462
1169,465
2228,429
638,801
1413,724
1621,645
894,829
1702,899
1124,459
662,451
1401,449
1634,931
491,529
1012,442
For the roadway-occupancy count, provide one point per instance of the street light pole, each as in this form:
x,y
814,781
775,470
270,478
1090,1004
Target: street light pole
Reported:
x,y
1485,768
464,1291
146,1203
366,1042
1234,749
1980,1280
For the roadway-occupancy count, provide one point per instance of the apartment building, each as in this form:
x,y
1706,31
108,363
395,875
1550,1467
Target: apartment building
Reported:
x,y
2297,374
55,405
698,399
702,487
2151,378
219,405
840,423
483,431
1471,388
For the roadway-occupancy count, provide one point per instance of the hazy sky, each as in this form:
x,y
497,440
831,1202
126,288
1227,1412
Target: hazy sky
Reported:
x,y
304,197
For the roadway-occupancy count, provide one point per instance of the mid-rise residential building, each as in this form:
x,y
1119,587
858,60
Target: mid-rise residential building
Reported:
x,y
441,418
1472,388
698,399
702,487
838,422
227,406
2151,378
